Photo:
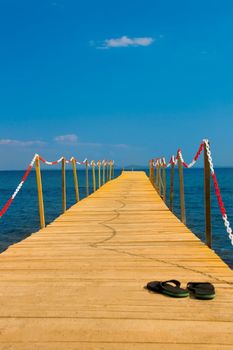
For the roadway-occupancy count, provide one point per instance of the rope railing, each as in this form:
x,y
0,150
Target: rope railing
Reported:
x,y
107,175
159,181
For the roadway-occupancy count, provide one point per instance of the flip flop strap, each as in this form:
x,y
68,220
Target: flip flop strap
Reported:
x,y
196,285
177,283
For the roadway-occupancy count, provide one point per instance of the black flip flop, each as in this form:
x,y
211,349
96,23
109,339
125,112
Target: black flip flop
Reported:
x,y
171,288
201,290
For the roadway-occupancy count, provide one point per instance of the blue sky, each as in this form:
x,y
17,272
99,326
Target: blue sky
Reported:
x,y
126,80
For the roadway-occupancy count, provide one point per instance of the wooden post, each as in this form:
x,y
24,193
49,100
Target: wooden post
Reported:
x,y
40,192
103,177
75,179
113,170
152,172
99,172
172,173
87,180
93,175
107,171
181,182
63,184
164,183
157,176
110,170
207,200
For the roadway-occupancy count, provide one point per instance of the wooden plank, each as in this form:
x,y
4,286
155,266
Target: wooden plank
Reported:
x,y
79,282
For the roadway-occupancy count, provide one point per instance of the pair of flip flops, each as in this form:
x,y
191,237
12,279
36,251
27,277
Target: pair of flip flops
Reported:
x,y
200,290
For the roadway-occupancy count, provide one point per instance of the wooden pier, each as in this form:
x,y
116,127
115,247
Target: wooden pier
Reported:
x,y
79,282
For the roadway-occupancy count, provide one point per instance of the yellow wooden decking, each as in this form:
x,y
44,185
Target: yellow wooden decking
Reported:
x,y
78,283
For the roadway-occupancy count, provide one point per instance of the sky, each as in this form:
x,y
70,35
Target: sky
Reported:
x,y
123,80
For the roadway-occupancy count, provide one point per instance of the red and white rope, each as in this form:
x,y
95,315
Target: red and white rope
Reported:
x,y
50,163
197,155
68,161
18,188
174,160
105,162
218,193
83,162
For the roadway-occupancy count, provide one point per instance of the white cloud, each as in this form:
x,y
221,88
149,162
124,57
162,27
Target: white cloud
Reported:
x,y
103,145
70,139
10,142
125,41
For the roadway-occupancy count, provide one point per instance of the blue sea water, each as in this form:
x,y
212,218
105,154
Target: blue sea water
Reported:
x,y
22,217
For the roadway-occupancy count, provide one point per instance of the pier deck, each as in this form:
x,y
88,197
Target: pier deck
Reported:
x,y
78,283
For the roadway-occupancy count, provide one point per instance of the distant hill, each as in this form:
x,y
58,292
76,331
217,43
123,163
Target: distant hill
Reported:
x,y
135,167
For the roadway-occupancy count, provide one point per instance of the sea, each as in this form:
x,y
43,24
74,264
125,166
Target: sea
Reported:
x,y
22,219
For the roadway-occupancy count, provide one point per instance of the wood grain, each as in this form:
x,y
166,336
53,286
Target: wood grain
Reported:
x,y
79,282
